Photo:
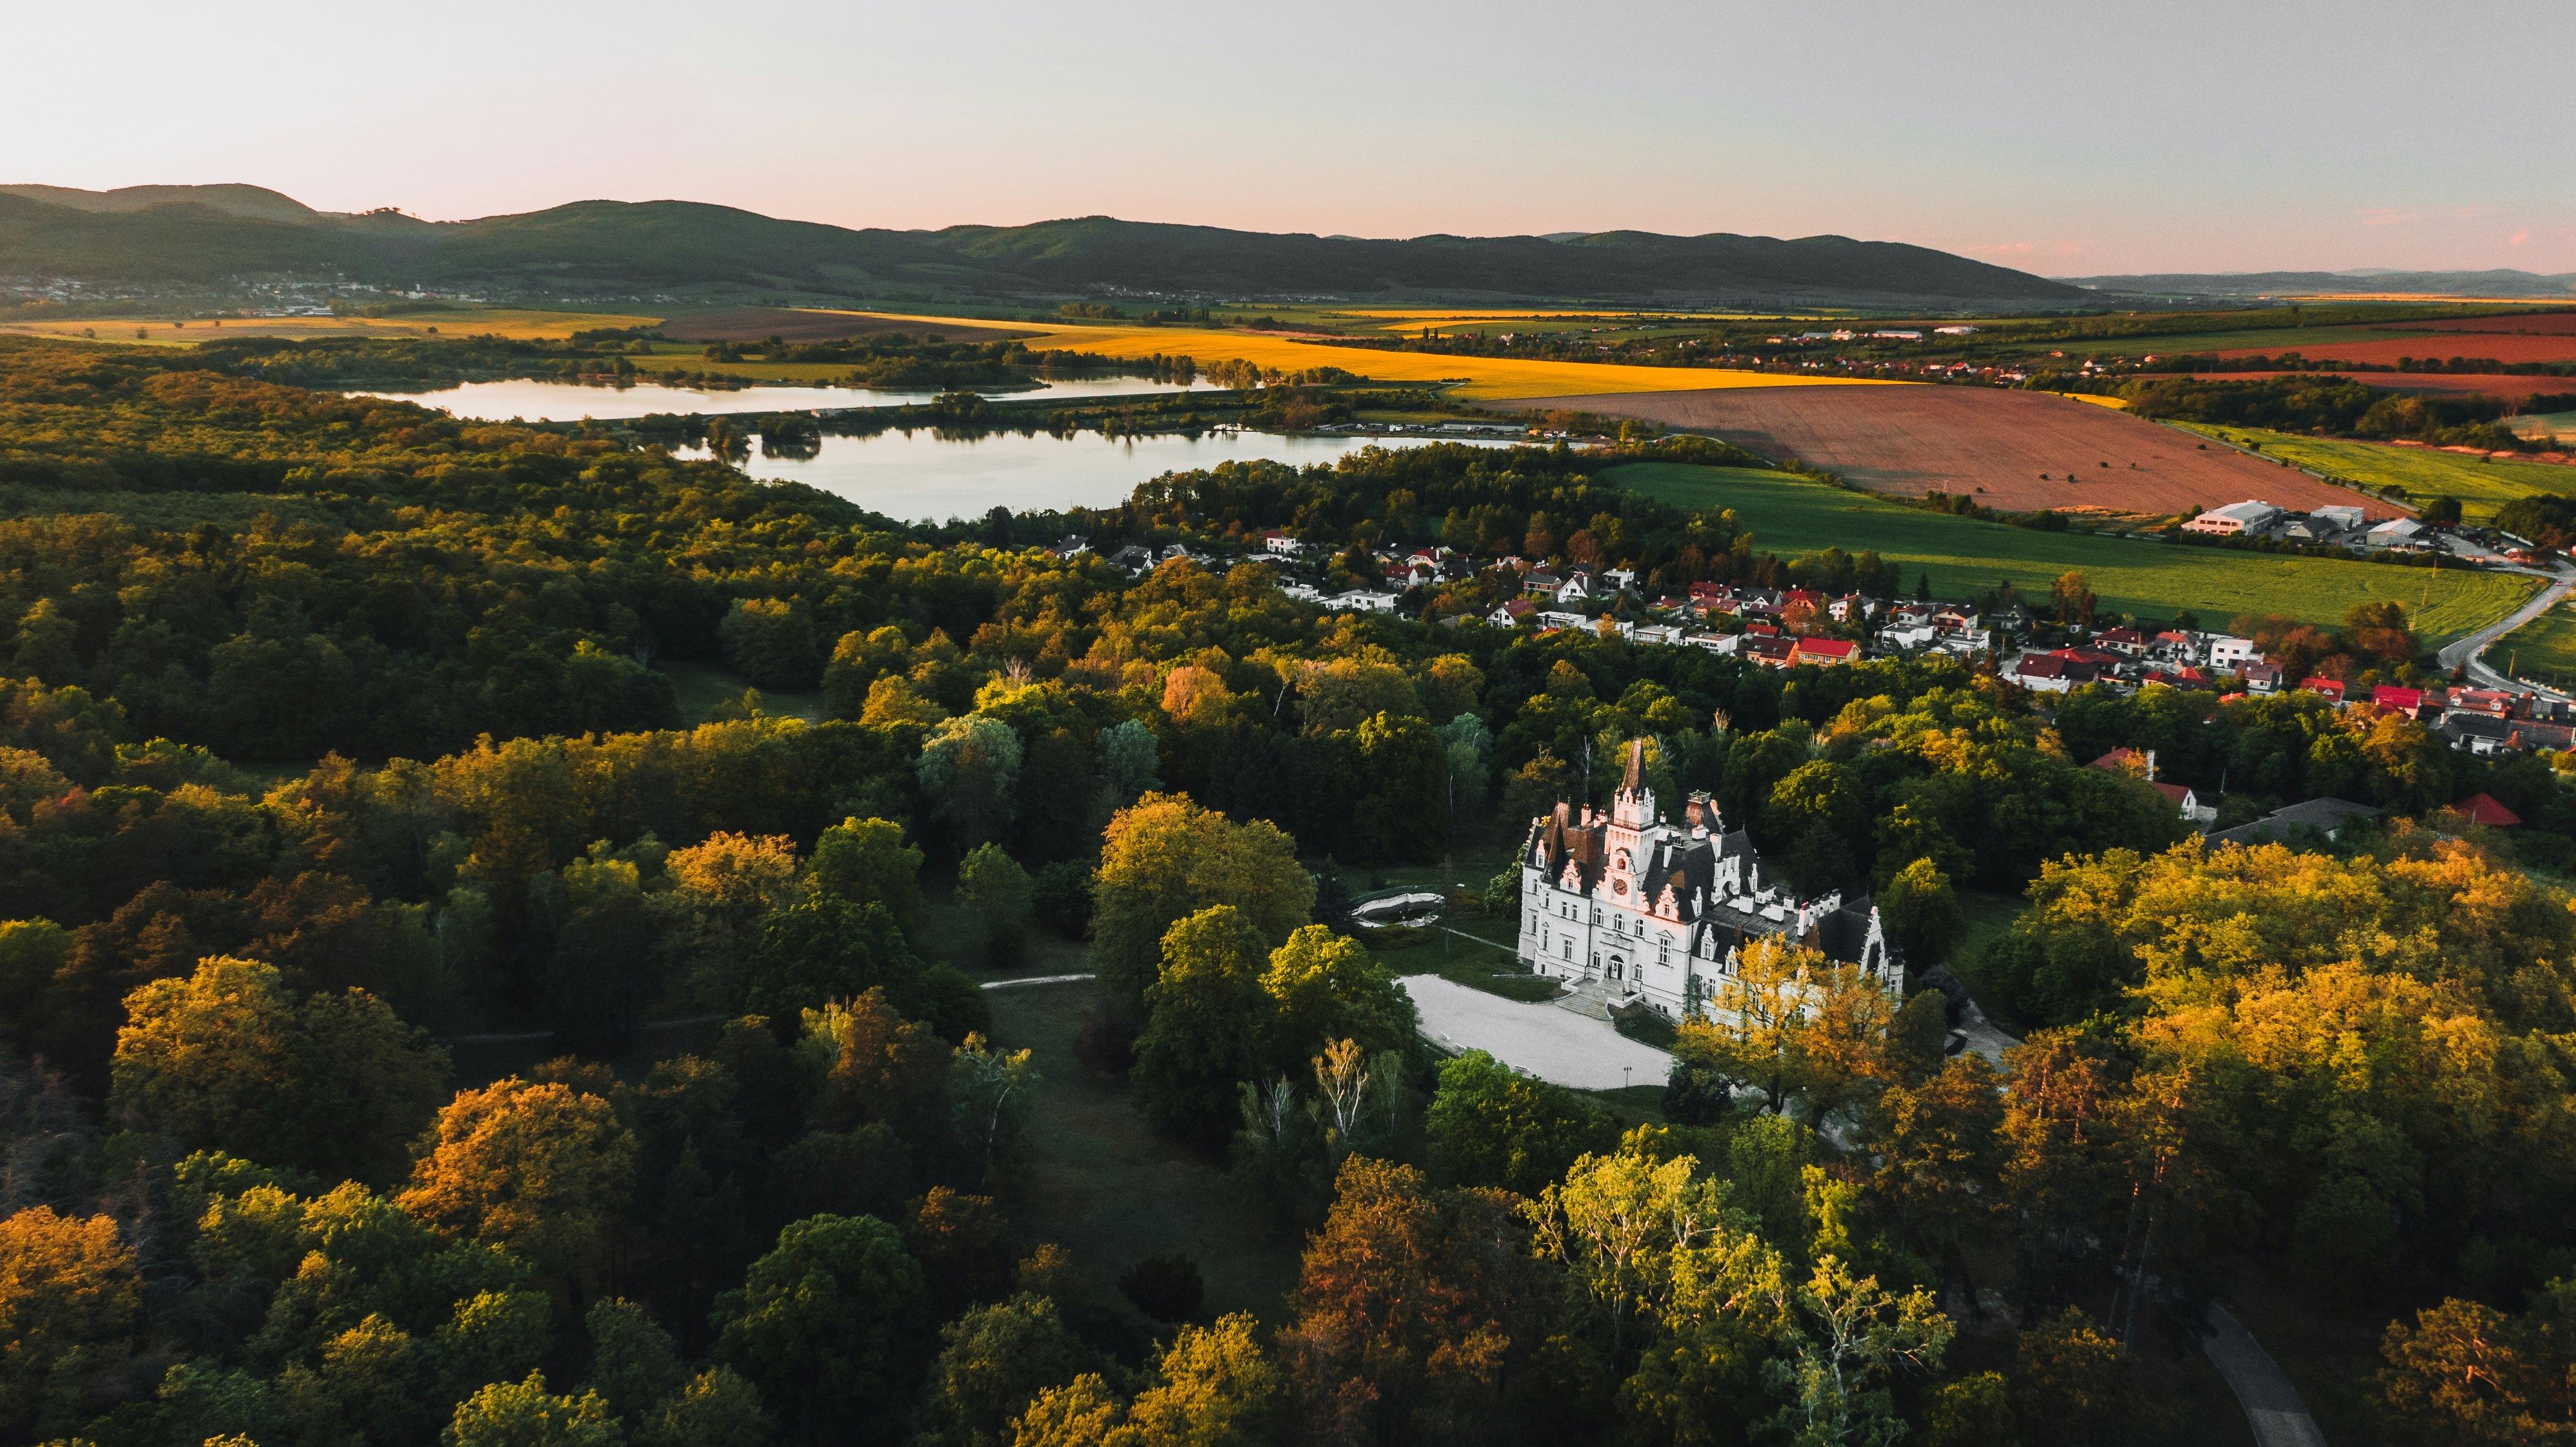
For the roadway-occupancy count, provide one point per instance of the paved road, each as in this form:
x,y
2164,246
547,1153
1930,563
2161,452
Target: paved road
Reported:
x,y
2467,649
2272,1405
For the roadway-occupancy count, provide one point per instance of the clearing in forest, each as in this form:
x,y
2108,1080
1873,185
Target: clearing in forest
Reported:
x,y
1788,514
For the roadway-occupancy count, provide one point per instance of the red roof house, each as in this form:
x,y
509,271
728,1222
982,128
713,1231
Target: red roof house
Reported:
x,y
2331,688
2403,700
2483,809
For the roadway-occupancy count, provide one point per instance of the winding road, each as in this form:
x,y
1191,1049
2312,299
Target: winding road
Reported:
x,y
2468,649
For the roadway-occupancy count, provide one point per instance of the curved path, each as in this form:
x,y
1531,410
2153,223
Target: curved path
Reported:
x,y
2468,649
2272,1405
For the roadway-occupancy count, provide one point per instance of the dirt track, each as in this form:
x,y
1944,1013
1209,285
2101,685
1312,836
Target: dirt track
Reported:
x,y
1913,440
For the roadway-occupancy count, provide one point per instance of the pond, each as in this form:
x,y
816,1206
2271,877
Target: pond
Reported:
x,y
530,400
920,476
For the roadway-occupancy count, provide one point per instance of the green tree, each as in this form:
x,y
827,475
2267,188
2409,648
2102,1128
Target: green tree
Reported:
x,y
1205,1019
1166,859
634,1364
1323,988
832,1326
1130,766
771,641
993,1362
1847,1336
1921,909
970,772
865,861
1488,1126
1398,776
826,948
715,1408
525,1414
227,1060
993,885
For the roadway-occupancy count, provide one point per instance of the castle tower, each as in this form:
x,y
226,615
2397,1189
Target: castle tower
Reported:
x,y
1632,812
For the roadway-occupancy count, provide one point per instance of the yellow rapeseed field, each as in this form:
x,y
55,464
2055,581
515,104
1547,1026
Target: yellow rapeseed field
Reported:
x,y
1486,378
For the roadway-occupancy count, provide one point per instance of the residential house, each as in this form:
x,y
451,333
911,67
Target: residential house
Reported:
x,y
1279,544
1622,579
1576,587
2408,701
2329,688
1540,581
1825,652
2483,809
1512,612
1363,601
2127,642
2261,677
2225,653
2295,825
1771,650
2046,673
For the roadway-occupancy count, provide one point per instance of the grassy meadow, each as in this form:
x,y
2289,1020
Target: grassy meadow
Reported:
x,y
1789,515
2481,485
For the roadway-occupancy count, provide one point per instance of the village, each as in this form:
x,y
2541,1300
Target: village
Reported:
x,y
1788,628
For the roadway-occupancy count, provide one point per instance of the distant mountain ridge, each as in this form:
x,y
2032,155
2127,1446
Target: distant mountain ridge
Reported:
x,y
2233,286
691,251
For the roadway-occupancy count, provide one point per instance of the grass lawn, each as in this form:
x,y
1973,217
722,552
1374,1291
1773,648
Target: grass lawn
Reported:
x,y
1107,1188
2480,485
1791,515
701,686
2543,650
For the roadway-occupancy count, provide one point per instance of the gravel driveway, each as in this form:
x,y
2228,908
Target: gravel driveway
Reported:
x,y
1555,1045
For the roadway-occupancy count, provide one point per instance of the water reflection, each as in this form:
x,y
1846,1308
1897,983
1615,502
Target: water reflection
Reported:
x,y
922,476
530,400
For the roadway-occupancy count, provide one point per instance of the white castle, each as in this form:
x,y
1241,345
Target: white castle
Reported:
x,y
1658,911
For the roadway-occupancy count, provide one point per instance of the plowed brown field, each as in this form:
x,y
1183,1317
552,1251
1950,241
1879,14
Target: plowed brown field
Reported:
x,y
1917,439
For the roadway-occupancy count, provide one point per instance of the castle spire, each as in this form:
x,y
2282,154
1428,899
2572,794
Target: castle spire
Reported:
x,y
1636,775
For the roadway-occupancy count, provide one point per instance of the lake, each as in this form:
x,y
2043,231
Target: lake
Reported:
x,y
921,477
529,400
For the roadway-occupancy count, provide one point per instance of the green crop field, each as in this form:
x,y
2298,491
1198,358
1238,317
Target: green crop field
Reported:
x,y
2542,650
2481,485
1788,514
2270,339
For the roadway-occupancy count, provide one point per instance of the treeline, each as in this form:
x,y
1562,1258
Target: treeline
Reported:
x,y
2334,404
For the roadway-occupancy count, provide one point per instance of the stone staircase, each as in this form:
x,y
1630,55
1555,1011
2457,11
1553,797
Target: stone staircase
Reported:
x,y
1593,998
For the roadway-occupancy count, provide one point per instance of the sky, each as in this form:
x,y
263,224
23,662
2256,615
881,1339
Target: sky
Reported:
x,y
2068,139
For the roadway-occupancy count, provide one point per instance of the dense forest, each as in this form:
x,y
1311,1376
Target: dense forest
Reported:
x,y
285,802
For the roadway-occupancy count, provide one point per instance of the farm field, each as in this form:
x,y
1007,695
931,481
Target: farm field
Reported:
x,y
809,324
1789,514
1911,440
1491,379
2387,351
2482,486
2542,650
2559,323
504,322
2267,340
2492,384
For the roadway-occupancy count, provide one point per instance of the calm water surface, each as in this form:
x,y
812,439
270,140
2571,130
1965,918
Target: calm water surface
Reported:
x,y
528,400
921,477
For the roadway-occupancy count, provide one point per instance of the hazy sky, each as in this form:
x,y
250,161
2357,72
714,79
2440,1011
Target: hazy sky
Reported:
x,y
2064,138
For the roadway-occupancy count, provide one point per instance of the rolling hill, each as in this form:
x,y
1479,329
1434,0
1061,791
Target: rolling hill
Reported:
x,y
202,236
2247,285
